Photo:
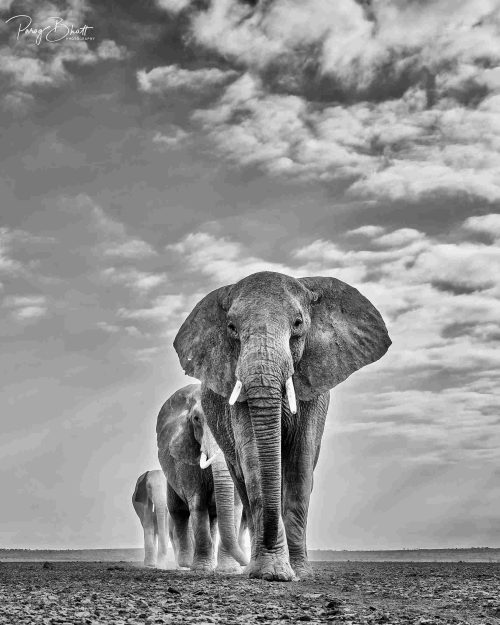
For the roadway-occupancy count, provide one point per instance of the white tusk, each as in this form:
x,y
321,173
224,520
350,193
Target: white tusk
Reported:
x,y
204,463
235,393
290,393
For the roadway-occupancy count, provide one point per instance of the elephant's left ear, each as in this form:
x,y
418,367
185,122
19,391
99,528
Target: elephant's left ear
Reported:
x,y
347,332
202,344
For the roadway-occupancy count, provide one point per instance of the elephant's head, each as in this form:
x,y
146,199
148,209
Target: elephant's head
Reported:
x,y
270,332
192,441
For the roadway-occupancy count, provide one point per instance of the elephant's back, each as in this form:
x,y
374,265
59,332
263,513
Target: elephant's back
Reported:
x,y
175,405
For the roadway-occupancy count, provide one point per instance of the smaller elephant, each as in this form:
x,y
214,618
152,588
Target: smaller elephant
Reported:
x,y
150,503
201,495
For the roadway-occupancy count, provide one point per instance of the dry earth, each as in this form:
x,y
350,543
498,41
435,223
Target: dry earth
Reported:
x,y
342,592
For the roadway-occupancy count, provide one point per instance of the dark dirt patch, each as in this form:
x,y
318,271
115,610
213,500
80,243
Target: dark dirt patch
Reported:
x,y
343,592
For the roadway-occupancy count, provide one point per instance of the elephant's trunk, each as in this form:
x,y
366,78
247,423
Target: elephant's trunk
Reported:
x,y
265,365
224,500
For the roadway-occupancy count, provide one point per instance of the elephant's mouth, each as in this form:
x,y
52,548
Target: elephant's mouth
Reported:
x,y
206,462
290,394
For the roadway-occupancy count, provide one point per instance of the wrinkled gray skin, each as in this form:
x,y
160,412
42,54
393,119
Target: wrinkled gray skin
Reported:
x,y
261,331
150,503
198,499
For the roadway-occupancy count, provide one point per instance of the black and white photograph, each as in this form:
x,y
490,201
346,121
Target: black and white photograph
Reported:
x,y
249,312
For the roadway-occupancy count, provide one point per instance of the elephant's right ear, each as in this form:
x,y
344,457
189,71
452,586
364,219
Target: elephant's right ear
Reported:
x,y
203,346
184,446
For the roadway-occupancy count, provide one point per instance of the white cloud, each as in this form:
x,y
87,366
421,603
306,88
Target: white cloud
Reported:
x,y
26,71
162,79
484,224
132,249
108,327
420,152
432,418
109,50
114,239
173,6
223,260
26,307
174,138
12,243
138,280
162,310
282,133
399,238
416,180
366,231
28,65
473,265
129,330
351,44
17,102
409,144
7,264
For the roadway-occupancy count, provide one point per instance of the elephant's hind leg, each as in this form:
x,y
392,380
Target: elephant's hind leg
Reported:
x,y
148,525
170,525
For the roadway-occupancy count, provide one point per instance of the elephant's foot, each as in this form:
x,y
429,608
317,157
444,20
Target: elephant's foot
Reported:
x,y
149,564
302,569
273,567
203,566
161,564
226,563
229,567
184,562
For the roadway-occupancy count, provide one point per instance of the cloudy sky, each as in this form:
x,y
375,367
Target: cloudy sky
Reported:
x,y
185,145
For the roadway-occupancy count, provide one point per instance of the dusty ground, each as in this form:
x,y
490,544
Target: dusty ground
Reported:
x,y
342,592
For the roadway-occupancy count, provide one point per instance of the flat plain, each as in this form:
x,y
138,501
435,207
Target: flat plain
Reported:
x,y
119,593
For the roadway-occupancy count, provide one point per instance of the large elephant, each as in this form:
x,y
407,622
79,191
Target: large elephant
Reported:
x,y
264,343
150,503
200,491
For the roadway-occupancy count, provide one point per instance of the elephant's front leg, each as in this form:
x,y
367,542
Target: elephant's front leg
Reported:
x,y
300,453
203,547
179,529
297,486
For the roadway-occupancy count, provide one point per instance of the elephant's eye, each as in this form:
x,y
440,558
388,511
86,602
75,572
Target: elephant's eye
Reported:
x,y
232,329
298,322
